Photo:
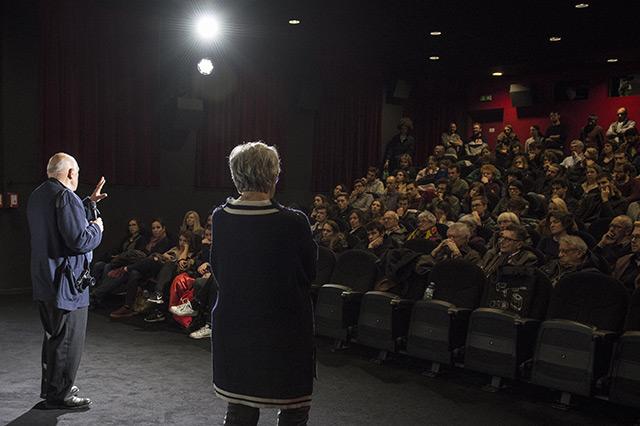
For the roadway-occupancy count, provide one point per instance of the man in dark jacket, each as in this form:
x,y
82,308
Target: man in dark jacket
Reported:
x,y
62,240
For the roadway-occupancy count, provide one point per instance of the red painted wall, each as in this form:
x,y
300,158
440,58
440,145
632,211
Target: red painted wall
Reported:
x,y
573,113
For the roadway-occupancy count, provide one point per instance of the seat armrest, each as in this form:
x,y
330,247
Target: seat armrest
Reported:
x,y
337,287
527,322
460,312
402,303
605,336
352,295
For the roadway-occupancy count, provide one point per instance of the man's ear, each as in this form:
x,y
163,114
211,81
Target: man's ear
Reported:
x,y
70,174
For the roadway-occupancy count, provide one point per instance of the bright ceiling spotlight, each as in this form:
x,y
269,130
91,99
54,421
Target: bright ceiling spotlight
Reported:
x,y
205,66
581,5
208,27
434,58
555,38
435,33
612,60
497,73
294,22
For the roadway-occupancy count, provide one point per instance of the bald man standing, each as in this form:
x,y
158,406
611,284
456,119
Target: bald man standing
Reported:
x,y
63,236
622,129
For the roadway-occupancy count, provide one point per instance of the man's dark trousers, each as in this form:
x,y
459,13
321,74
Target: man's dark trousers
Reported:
x,y
64,334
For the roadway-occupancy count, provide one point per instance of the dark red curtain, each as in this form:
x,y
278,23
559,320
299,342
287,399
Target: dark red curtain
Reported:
x,y
99,64
253,107
432,106
348,124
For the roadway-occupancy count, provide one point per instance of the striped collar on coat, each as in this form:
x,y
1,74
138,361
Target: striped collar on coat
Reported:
x,y
250,208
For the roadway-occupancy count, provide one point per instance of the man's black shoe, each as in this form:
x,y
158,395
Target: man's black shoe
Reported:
x,y
70,403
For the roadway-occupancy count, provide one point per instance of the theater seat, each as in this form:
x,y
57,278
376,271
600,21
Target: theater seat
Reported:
x,y
437,328
502,333
324,270
338,303
625,369
384,316
574,346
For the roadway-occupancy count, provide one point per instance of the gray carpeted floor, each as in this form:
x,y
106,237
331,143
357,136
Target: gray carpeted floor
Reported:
x,y
139,373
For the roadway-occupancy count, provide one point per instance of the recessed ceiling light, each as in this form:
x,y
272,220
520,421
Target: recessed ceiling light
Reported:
x,y
611,60
581,5
435,33
294,21
497,73
434,58
555,38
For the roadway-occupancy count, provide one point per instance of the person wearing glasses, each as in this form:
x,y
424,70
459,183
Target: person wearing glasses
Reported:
x,y
627,268
616,242
574,256
511,251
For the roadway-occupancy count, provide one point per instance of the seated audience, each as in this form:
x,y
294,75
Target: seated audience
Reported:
x,y
443,195
359,198
393,229
178,258
616,242
191,223
626,182
458,186
627,267
373,184
455,246
332,237
342,211
318,200
426,228
357,236
379,241
322,215
511,251
577,155
573,256
390,197
605,204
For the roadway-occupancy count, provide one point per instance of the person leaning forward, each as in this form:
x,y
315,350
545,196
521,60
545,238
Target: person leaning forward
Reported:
x,y
62,240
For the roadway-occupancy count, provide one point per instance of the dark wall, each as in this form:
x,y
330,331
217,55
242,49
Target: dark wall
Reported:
x,y
21,159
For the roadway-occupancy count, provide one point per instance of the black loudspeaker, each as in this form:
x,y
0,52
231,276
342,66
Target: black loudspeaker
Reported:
x,y
402,90
520,96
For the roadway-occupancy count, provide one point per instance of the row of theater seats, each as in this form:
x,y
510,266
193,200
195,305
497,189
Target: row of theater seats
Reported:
x,y
581,337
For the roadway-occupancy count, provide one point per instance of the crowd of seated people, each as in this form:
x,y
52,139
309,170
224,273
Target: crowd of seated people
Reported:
x,y
159,275
560,204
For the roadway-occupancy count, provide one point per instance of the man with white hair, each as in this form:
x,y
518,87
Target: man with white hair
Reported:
x,y
455,246
64,232
574,256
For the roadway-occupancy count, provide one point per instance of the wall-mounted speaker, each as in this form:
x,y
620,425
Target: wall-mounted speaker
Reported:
x,y
521,96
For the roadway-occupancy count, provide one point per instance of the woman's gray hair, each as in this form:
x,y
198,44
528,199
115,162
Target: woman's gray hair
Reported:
x,y
575,242
254,166
428,215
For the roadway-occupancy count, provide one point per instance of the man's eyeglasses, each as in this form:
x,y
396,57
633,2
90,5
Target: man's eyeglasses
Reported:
x,y
503,238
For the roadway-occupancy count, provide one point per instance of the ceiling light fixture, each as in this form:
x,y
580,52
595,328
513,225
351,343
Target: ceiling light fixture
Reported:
x,y
435,33
434,58
555,38
208,27
205,66
294,21
581,5
497,73
612,60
